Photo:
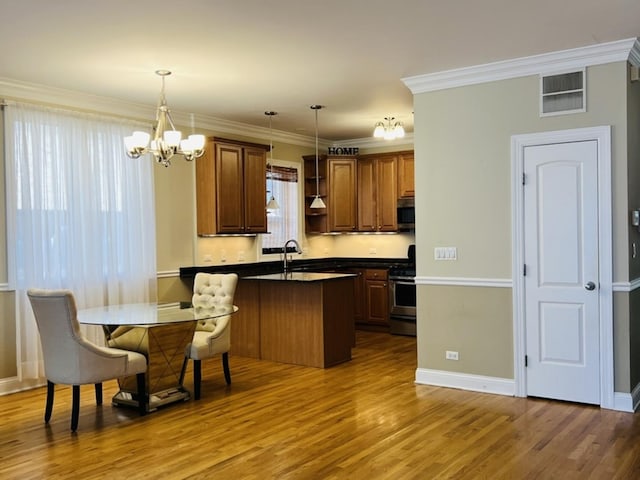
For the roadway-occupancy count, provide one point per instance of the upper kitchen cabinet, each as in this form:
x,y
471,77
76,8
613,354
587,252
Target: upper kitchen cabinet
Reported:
x,y
335,182
377,193
231,188
342,194
406,181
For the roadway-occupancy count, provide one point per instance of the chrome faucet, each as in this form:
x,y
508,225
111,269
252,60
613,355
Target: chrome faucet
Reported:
x,y
298,251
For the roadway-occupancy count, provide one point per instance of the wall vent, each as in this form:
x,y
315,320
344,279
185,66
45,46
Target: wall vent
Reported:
x,y
563,93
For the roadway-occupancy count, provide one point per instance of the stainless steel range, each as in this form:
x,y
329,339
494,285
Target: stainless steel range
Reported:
x,y
402,296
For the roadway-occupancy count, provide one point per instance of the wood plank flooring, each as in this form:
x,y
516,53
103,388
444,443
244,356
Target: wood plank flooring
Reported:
x,y
365,419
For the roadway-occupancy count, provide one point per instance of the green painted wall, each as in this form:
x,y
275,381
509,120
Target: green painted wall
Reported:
x,y
462,142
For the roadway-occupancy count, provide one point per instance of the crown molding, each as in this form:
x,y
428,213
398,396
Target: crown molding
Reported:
x,y
621,50
370,142
23,91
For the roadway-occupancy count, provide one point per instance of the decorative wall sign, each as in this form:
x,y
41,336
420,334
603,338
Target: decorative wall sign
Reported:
x,y
342,151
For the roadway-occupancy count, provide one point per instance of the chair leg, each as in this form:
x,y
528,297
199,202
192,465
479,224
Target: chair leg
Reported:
x,y
49,405
75,407
98,393
183,370
197,377
225,367
142,393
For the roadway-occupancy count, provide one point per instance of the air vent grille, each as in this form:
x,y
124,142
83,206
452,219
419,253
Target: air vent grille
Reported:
x,y
563,93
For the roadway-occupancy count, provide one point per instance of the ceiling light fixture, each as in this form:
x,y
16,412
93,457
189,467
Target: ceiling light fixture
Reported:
x,y
166,142
272,204
389,132
317,201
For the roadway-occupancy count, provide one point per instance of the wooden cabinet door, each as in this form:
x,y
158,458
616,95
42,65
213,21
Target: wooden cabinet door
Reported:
x,y
229,188
386,195
255,190
367,221
342,194
377,295
406,176
206,192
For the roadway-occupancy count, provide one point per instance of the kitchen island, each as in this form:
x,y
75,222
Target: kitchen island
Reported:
x,y
305,318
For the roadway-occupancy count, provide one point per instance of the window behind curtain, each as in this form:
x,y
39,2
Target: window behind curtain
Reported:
x,y
283,222
80,215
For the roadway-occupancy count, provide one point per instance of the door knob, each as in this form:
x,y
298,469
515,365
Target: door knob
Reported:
x,y
590,286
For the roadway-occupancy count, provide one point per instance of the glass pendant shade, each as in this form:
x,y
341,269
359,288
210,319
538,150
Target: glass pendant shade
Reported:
x,y
273,204
317,203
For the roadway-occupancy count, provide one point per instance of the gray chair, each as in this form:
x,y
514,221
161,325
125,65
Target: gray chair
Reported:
x,y
70,359
212,336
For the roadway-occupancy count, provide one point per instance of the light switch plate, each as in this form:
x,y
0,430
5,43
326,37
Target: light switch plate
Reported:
x,y
445,253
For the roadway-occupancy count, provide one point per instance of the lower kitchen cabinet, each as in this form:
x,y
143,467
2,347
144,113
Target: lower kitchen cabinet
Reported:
x,y
373,299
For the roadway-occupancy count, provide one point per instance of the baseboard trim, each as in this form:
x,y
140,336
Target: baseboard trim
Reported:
x,y
627,402
465,381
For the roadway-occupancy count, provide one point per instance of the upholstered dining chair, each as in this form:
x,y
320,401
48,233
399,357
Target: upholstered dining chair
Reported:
x,y
212,336
71,359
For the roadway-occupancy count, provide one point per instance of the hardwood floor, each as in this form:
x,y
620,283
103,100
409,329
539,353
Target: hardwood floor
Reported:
x,y
365,419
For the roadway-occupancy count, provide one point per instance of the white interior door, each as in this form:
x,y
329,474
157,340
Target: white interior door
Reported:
x,y
561,282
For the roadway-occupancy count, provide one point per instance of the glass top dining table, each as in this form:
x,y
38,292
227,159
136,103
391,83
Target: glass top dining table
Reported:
x,y
149,314
161,332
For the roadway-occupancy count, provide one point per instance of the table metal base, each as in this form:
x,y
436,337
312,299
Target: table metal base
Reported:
x,y
156,400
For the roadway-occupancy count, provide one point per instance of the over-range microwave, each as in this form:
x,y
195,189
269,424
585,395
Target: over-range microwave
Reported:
x,y
406,214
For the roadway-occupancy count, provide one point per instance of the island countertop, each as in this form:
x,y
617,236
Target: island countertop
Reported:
x,y
301,276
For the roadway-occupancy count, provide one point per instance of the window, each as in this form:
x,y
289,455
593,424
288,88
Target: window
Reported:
x,y
282,223
77,216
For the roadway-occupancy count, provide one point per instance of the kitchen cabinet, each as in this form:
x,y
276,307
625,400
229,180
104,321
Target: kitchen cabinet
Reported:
x,y
371,299
342,194
231,188
336,181
406,176
377,193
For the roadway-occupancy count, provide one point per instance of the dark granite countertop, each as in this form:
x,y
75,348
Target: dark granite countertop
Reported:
x,y
331,264
300,276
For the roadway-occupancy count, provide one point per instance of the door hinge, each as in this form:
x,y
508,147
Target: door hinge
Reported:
x,y
524,270
524,178
526,360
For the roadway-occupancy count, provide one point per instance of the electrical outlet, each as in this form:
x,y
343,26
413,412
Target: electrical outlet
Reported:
x,y
207,258
223,256
241,256
449,355
372,251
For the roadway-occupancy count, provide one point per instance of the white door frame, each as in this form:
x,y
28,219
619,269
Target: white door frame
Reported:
x,y
605,250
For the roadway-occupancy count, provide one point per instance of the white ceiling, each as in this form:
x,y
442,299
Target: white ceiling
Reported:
x,y
234,59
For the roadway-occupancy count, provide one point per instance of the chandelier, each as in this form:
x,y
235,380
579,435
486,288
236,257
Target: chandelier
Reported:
x,y
167,141
389,132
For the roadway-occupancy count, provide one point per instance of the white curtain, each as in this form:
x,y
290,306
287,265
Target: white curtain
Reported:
x,y
80,215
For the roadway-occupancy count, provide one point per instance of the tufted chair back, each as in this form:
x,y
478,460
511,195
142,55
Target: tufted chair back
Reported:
x,y
211,291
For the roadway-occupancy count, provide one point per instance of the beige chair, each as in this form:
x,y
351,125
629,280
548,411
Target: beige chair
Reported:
x,y
212,336
71,359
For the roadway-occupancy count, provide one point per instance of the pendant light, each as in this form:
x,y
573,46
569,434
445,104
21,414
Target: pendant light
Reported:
x,y
272,204
317,201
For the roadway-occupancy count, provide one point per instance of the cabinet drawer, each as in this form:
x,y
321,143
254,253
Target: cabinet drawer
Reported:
x,y
376,274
